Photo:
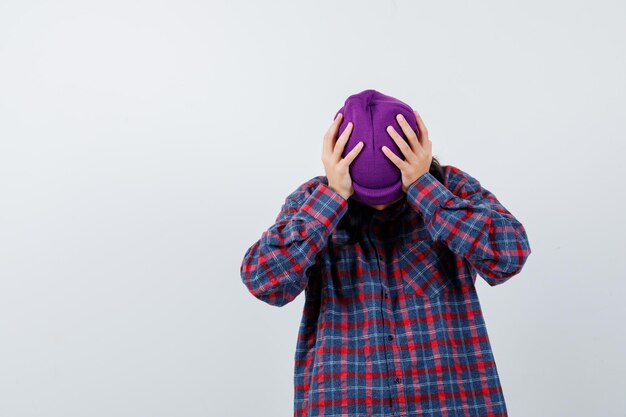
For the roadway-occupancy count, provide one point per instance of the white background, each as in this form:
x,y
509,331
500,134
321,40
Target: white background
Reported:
x,y
144,146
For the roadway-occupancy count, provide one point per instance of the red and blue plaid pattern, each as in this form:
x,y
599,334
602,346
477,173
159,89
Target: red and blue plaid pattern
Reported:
x,y
391,325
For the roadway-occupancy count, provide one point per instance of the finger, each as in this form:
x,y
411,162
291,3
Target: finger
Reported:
x,y
402,144
428,146
353,153
397,161
341,142
423,132
330,135
408,132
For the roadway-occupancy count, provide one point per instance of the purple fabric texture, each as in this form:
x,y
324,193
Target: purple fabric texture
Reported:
x,y
376,180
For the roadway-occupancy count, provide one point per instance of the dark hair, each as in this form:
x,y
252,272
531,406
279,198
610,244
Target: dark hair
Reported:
x,y
358,213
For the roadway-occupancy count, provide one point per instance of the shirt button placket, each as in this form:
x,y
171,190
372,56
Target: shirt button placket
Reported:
x,y
384,307
380,258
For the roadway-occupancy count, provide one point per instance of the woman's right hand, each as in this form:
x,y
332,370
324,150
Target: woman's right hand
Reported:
x,y
336,167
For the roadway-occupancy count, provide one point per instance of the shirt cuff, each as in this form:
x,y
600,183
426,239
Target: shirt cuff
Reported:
x,y
325,205
427,194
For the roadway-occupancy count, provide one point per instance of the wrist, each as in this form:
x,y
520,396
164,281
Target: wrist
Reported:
x,y
339,191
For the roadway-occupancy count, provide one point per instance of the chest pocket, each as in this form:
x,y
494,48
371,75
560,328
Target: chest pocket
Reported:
x,y
342,263
424,266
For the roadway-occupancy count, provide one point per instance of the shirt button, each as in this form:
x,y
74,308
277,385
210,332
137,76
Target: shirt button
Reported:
x,y
390,337
386,295
397,380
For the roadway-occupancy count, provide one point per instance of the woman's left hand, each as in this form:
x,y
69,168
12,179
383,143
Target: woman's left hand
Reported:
x,y
418,153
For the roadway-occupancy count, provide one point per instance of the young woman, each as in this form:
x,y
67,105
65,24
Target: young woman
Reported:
x,y
392,324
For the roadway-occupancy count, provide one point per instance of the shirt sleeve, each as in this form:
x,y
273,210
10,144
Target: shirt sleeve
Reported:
x,y
275,269
472,223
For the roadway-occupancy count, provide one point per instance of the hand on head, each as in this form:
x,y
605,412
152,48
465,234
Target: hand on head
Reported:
x,y
336,167
417,151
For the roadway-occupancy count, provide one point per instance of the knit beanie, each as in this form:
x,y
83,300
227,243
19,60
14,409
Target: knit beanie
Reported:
x,y
376,180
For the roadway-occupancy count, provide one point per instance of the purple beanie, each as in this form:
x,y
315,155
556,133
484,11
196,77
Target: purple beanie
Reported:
x,y
376,180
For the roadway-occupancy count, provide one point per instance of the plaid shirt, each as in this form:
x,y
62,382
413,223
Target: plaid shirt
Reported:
x,y
391,325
